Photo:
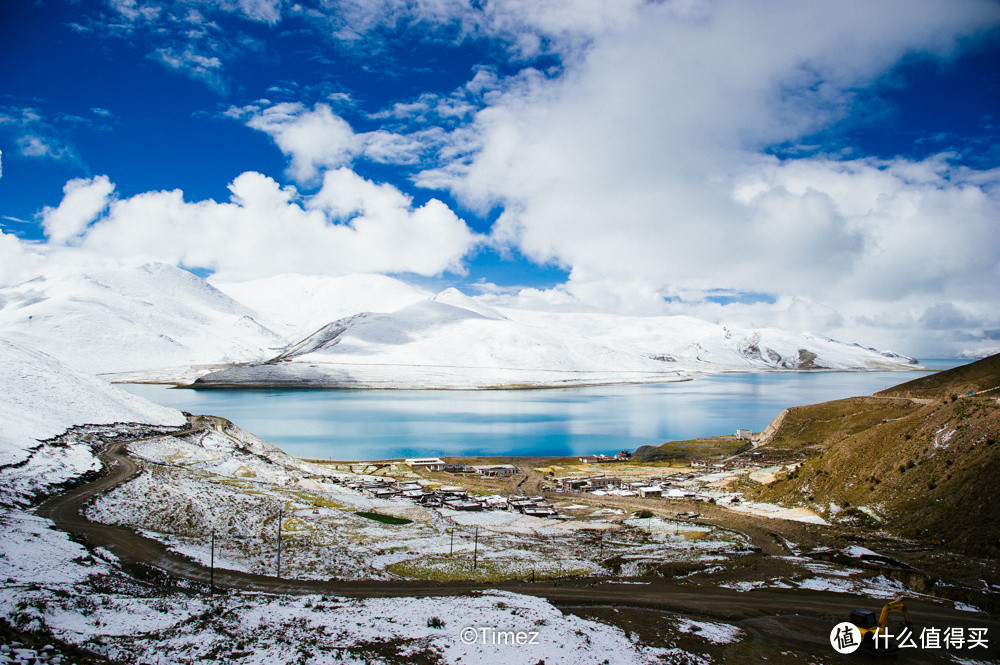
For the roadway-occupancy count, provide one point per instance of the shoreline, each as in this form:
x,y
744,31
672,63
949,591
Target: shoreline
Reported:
x,y
142,377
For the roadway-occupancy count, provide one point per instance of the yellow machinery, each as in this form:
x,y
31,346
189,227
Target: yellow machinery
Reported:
x,y
872,626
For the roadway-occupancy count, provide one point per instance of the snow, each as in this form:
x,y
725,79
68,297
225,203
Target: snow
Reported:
x,y
163,324
962,607
307,302
762,509
43,398
454,341
880,587
33,552
262,629
127,319
716,633
697,344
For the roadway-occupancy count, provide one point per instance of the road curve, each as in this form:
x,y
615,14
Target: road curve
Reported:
x,y
66,509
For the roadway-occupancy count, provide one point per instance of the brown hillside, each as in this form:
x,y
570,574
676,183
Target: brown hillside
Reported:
x,y
929,475
813,428
980,375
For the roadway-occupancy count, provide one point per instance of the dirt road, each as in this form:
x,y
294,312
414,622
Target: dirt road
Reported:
x,y
823,608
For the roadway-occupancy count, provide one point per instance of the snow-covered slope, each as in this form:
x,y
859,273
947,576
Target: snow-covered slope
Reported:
x,y
119,320
434,344
696,344
161,323
42,398
453,341
304,303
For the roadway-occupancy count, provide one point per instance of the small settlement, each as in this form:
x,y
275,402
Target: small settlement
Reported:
x,y
455,498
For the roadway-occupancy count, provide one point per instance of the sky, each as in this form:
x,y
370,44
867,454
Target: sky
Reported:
x,y
831,167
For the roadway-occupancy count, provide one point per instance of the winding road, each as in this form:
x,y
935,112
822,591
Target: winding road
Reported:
x,y
769,610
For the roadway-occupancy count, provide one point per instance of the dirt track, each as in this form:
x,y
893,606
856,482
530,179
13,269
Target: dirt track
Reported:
x,y
761,606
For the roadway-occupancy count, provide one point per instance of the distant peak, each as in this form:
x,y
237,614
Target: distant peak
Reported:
x,y
455,298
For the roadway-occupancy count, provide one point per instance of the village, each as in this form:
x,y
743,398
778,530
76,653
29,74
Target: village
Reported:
x,y
432,482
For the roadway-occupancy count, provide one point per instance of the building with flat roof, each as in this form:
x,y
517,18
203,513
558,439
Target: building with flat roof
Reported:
x,y
429,463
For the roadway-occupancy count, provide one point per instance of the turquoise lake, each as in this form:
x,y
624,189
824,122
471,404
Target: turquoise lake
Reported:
x,y
384,424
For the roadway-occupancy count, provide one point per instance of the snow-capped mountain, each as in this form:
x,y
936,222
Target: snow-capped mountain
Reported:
x,y
302,304
161,323
434,344
696,344
155,317
43,398
453,341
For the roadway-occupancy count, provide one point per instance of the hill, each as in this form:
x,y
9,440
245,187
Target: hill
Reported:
x,y
43,398
454,341
304,303
923,468
105,320
706,346
977,376
434,344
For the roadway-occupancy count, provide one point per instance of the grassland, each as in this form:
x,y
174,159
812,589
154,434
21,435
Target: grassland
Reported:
x,y
690,449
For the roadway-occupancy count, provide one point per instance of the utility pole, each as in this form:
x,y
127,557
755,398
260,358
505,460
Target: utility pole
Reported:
x,y
602,543
279,543
452,550
212,574
475,551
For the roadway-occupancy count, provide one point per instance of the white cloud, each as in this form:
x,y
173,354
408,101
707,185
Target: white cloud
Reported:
x,y
646,160
351,225
18,260
35,135
265,11
83,200
318,139
313,139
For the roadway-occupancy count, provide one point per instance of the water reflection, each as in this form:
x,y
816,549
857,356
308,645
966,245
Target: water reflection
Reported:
x,y
379,424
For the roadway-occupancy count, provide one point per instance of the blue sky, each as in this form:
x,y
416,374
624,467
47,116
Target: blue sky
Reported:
x,y
826,168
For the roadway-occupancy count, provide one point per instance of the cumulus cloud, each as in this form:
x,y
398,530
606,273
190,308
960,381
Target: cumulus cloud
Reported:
x,y
19,260
83,200
351,225
317,139
312,139
648,158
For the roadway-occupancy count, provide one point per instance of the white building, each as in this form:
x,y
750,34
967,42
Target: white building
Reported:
x,y
429,463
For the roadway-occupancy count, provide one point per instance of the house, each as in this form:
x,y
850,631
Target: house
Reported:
x,y
572,484
539,511
495,502
649,492
497,470
744,434
430,501
379,491
458,468
602,482
518,503
464,504
429,463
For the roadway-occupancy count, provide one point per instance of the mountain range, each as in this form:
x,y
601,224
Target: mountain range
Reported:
x,y
163,324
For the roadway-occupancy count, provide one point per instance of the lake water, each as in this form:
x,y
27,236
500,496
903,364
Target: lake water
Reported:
x,y
384,424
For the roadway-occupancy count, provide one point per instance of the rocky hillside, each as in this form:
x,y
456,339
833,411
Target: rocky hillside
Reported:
x,y
982,375
926,470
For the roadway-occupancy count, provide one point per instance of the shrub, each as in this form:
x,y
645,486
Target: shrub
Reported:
x,y
644,514
435,622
